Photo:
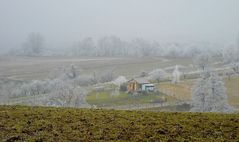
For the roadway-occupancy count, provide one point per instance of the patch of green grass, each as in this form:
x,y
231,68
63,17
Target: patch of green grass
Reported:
x,y
18,123
105,98
171,108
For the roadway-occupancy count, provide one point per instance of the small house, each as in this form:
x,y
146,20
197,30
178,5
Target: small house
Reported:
x,y
140,85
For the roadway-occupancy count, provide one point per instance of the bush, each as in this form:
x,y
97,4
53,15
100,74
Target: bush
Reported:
x,y
123,87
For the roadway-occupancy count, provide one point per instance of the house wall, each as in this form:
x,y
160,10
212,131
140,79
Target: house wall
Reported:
x,y
147,87
133,86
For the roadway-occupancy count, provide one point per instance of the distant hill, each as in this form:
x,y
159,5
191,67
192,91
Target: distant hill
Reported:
x,y
20,123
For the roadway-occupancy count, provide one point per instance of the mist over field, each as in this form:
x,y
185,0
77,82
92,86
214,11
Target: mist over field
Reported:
x,y
157,58
64,23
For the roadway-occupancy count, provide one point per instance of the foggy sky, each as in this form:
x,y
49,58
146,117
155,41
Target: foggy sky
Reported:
x,y
62,22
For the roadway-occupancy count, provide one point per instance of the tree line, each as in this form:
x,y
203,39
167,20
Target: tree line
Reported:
x,y
35,45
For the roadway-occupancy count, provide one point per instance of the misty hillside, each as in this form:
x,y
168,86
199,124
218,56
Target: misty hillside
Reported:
x,y
119,70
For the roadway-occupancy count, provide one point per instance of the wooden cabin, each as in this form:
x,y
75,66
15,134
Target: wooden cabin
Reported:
x,y
140,85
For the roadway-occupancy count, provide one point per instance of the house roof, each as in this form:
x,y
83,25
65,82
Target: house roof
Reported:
x,y
140,80
149,84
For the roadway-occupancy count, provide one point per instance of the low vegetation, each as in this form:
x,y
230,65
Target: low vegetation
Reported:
x,y
107,98
19,123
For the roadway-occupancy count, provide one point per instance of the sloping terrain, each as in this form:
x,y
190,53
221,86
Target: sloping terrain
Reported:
x,y
19,123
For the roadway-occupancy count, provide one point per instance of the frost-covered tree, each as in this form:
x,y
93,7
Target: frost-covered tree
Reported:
x,y
107,76
61,94
32,88
143,74
119,80
217,100
34,44
37,87
85,47
176,75
209,94
158,75
235,67
229,73
63,89
64,73
199,94
80,99
84,80
230,54
143,47
237,44
72,72
65,95
202,61
110,46
6,91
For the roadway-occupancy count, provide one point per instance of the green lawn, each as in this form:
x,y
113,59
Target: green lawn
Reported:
x,y
105,98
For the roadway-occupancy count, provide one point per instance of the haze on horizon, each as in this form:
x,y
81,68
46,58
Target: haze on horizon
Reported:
x,y
63,22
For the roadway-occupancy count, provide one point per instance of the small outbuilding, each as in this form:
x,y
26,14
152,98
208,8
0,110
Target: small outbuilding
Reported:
x,y
140,85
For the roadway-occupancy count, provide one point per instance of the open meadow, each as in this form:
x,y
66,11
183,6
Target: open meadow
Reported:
x,y
40,68
30,68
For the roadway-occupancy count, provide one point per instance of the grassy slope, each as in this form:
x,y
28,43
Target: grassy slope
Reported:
x,y
183,90
65,124
232,86
28,68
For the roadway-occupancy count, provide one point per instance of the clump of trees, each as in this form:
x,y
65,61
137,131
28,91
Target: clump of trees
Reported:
x,y
230,54
106,76
64,87
33,45
66,95
157,75
209,94
235,67
202,61
114,46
